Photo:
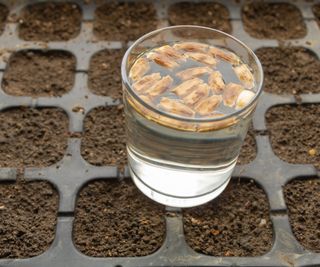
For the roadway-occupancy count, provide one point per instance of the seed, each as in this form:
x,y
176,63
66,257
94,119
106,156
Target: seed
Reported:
x,y
160,86
203,58
186,87
192,73
147,81
208,105
244,75
200,92
192,47
139,68
175,106
231,93
226,56
216,82
170,52
244,99
312,152
163,60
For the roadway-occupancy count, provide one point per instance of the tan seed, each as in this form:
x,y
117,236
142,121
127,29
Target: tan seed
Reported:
x,y
160,86
244,99
170,52
208,105
146,82
192,73
186,87
163,60
139,68
226,56
176,107
231,94
203,58
244,75
216,82
199,93
191,46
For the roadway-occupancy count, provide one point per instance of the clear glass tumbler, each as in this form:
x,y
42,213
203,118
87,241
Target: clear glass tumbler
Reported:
x,y
184,162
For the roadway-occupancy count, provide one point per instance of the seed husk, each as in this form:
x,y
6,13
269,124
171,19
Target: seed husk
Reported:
x,y
170,52
163,60
231,94
146,82
160,86
244,75
216,82
176,107
191,47
244,99
193,73
199,93
186,87
139,68
203,58
226,56
208,105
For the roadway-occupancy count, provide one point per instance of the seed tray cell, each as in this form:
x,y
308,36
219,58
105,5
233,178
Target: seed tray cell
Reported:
x,y
73,171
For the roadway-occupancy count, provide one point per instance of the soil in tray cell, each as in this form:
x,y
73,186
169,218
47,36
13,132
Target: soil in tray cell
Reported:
x,y
113,219
273,21
249,149
303,200
3,16
104,73
32,137
39,73
237,223
295,133
28,218
290,70
210,14
316,11
50,22
124,21
104,141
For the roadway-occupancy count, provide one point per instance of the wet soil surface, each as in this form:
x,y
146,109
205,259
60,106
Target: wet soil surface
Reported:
x,y
3,16
249,149
28,213
105,73
295,133
124,21
104,139
303,200
236,223
113,219
211,15
32,137
275,21
39,73
50,22
316,11
290,70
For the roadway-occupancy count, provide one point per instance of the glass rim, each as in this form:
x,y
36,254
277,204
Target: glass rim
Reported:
x,y
132,92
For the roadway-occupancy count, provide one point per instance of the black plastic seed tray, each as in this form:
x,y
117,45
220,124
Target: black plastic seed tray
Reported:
x,y
72,172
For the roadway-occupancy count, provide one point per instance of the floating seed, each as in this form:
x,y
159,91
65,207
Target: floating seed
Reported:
x,y
192,47
199,93
170,52
160,86
216,82
244,75
176,107
244,98
186,87
208,105
227,56
193,73
203,58
139,68
231,94
163,60
146,82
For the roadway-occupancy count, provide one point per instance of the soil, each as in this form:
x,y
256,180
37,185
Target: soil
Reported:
x,y
290,70
104,138
3,16
249,149
50,22
39,73
28,214
316,11
295,133
124,21
105,73
32,137
273,21
303,200
113,219
236,223
211,15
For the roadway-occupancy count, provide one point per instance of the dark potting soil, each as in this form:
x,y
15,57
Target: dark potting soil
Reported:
x,y
236,223
124,21
290,70
316,11
3,16
213,15
104,139
249,149
39,73
50,22
32,137
28,212
295,133
104,73
273,21
303,200
113,219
